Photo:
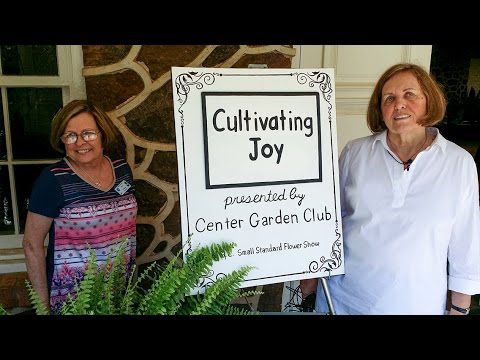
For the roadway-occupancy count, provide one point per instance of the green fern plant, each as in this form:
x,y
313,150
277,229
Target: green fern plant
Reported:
x,y
108,291
37,304
3,311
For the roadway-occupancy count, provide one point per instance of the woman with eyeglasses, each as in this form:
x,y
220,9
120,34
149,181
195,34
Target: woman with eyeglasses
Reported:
x,y
84,202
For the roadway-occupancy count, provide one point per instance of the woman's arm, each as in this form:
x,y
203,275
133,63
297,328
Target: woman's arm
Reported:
x,y
308,286
36,229
461,300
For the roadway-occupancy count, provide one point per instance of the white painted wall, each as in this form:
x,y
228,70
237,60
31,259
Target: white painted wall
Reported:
x,y
357,68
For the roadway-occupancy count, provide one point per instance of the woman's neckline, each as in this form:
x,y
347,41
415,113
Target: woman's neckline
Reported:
x,y
89,179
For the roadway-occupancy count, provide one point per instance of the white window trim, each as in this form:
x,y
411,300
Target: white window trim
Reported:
x,y
72,82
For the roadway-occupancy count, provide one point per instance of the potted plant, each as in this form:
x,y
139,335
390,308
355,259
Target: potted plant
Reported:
x,y
108,291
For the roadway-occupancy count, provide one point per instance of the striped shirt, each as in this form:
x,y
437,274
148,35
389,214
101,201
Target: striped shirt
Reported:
x,y
85,218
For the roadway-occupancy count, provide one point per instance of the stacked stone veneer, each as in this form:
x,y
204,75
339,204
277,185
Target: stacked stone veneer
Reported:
x,y
451,67
133,84
454,69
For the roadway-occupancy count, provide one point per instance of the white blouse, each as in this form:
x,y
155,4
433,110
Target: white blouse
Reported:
x,y
403,229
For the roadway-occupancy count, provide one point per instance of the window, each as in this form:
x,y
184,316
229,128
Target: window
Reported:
x,y
35,82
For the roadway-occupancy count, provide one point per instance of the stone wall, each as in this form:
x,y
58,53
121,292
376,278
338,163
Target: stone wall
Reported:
x,y
454,69
133,84
451,67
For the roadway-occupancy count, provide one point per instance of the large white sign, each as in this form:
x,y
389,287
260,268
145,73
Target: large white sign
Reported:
x,y
257,162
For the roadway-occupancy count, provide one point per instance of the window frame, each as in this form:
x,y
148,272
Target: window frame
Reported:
x,y
70,79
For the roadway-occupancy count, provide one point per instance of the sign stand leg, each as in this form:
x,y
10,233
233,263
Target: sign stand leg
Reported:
x,y
327,295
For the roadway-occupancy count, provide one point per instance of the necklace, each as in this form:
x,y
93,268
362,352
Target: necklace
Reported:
x,y
406,164
97,183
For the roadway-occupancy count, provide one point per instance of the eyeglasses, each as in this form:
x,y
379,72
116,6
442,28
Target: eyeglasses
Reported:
x,y
71,137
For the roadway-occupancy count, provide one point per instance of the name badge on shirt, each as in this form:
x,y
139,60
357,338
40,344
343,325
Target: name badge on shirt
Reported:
x,y
123,187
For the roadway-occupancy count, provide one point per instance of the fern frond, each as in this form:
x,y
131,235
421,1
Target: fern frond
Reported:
x,y
210,253
202,258
188,305
37,304
161,297
118,277
113,287
235,310
197,265
218,296
3,311
249,293
130,295
106,290
80,304
97,291
221,250
167,295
